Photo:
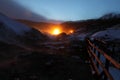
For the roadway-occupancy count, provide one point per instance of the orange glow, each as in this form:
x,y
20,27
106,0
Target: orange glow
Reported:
x,y
56,31
71,31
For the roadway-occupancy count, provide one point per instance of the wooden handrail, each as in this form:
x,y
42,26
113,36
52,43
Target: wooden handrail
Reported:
x,y
93,64
116,64
109,59
101,64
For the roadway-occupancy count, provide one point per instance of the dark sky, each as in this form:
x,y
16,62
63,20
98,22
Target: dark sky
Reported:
x,y
58,9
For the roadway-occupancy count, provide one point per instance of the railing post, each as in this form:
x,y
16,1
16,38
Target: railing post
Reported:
x,y
98,58
94,50
107,68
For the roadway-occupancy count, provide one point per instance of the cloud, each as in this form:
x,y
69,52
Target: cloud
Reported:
x,y
14,10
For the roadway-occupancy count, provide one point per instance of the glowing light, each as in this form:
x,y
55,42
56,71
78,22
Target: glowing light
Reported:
x,y
71,31
56,31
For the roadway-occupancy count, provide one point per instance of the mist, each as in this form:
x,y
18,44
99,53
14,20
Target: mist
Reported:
x,y
16,11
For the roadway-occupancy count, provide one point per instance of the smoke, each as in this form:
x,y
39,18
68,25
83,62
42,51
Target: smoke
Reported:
x,y
14,10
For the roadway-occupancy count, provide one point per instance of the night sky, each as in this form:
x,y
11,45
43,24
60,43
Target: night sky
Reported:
x,y
65,10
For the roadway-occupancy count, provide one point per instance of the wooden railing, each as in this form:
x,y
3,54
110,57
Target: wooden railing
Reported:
x,y
95,54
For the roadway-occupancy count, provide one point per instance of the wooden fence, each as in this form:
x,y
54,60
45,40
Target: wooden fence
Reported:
x,y
95,53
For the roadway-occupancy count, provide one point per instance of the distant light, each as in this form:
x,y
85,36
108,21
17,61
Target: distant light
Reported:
x,y
56,31
71,31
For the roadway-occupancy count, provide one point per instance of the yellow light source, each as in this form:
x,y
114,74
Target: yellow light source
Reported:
x,y
56,31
